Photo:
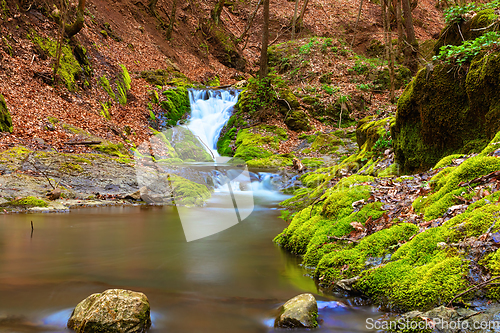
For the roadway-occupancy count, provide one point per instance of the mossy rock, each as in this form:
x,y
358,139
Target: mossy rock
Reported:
x,y
422,275
298,121
227,137
27,202
162,77
402,76
186,144
5,118
176,104
188,193
369,131
113,149
258,142
325,143
262,99
438,116
272,161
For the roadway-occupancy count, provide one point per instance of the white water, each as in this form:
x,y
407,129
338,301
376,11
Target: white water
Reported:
x,y
210,110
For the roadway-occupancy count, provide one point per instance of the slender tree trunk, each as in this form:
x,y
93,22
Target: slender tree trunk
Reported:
x,y
357,22
216,12
390,53
265,41
294,20
250,21
60,39
397,5
301,16
411,47
172,20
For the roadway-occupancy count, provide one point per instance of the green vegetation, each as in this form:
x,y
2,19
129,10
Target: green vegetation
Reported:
x,y
69,68
258,142
176,104
123,84
103,80
5,118
29,201
465,52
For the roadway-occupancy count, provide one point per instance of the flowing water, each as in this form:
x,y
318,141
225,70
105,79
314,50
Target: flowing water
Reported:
x,y
232,281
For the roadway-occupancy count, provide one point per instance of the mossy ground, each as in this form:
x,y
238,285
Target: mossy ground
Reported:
x,y
5,118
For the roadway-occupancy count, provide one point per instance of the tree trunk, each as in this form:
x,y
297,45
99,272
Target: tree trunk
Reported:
x,y
265,41
75,27
294,20
172,20
357,22
216,12
250,21
411,47
301,16
390,57
397,5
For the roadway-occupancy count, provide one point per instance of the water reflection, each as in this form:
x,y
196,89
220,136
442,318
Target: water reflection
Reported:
x,y
228,282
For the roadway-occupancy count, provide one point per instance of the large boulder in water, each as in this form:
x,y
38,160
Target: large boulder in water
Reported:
x,y
298,312
113,311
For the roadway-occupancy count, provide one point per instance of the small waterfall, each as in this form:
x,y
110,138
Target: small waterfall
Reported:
x,y
210,110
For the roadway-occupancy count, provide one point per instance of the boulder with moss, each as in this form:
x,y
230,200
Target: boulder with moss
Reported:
x,y
442,112
5,118
258,142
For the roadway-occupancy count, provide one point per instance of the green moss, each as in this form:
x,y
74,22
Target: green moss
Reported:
x,y
70,168
332,267
107,87
69,68
369,131
313,162
251,142
187,146
272,161
28,202
448,184
176,104
5,118
447,160
326,143
187,192
391,170
113,149
162,77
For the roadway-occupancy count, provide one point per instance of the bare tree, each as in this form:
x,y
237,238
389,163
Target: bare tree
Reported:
x,y
71,29
250,21
411,47
265,41
172,20
388,46
217,11
301,16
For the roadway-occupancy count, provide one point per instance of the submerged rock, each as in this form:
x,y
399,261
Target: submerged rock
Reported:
x,y
113,311
298,312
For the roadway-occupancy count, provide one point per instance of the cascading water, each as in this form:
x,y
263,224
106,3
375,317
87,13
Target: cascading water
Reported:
x,y
210,110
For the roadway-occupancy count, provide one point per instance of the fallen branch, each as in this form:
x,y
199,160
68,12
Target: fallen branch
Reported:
x,y
476,287
343,239
83,143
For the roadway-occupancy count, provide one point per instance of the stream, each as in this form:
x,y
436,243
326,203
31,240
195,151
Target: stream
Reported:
x,y
231,281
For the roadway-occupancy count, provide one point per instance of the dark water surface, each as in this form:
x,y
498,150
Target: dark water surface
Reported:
x,y
229,282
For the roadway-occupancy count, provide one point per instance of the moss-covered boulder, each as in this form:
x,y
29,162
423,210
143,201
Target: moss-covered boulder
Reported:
x,y
272,161
176,104
442,112
298,312
187,146
5,118
258,142
369,131
113,311
298,121
325,143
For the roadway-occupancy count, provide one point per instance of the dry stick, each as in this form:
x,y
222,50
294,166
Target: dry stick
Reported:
x,y
479,29
31,229
229,15
460,31
250,22
357,21
473,288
